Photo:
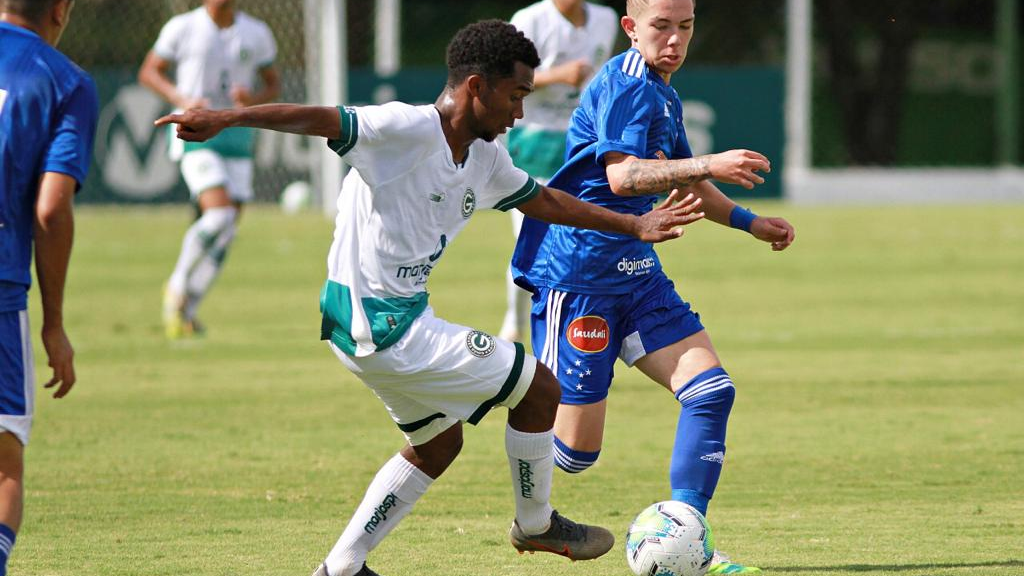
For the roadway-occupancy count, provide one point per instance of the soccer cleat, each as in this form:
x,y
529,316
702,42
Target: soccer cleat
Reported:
x,y
176,325
565,538
364,571
173,315
720,564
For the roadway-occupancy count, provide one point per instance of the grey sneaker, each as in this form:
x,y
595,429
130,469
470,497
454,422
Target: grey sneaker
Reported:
x,y
364,571
565,538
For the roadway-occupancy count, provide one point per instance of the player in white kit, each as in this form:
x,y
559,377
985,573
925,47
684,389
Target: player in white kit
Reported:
x,y
219,53
573,39
419,173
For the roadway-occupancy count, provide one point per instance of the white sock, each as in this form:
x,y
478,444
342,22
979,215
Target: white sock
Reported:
x,y
391,495
201,234
532,459
206,270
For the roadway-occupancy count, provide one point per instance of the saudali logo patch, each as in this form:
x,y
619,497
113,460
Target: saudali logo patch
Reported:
x,y
588,334
468,203
480,345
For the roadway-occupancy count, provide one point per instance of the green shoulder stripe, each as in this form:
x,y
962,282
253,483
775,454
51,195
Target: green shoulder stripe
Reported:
x,y
349,131
529,190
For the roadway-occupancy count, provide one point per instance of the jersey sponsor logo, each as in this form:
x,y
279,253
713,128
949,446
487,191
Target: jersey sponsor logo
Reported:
x,y
525,479
419,273
636,266
468,203
588,334
437,197
380,513
480,344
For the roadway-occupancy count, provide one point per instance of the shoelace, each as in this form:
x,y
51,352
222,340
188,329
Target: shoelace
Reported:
x,y
567,529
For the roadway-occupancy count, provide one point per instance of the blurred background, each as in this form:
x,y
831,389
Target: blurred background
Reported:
x,y
853,101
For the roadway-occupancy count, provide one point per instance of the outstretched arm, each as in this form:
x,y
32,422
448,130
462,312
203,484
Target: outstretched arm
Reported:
x,y
662,223
631,176
199,125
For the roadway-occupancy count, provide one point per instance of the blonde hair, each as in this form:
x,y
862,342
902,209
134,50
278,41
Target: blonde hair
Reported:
x,y
636,7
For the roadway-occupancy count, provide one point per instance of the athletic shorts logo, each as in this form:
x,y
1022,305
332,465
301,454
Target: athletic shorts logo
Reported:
x,y
480,345
588,334
468,203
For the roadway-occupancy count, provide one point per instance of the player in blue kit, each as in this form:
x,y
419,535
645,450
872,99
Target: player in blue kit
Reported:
x,y
48,111
599,296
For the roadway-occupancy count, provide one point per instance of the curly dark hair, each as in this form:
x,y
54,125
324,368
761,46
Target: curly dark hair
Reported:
x,y
31,10
490,48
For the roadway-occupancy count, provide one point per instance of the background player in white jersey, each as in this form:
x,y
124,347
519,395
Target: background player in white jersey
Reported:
x,y
573,38
420,172
219,54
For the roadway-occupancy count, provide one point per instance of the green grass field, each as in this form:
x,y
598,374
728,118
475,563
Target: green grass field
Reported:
x,y
878,430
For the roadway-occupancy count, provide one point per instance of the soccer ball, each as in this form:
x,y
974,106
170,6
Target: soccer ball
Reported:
x,y
296,197
669,539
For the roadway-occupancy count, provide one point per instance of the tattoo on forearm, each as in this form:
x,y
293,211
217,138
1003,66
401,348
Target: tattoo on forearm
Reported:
x,y
657,176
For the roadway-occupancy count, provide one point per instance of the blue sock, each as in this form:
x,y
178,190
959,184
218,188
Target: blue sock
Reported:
x,y
6,543
573,461
699,451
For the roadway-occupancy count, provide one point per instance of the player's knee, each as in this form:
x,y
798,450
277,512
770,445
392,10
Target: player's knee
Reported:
x,y
544,393
573,461
218,219
434,457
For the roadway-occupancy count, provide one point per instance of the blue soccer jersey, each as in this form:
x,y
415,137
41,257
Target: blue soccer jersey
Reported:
x,y
628,109
48,112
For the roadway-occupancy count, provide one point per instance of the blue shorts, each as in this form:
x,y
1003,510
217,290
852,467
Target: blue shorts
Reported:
x,y
579,336
17,375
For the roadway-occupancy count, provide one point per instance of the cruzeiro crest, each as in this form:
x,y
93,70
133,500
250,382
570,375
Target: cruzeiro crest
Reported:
x,y
468,203
480,345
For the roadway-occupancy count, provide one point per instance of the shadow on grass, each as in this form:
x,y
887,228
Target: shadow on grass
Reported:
x,y
897,567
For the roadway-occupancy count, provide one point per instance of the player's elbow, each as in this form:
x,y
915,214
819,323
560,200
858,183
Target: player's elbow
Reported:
x,y
52,217
618,181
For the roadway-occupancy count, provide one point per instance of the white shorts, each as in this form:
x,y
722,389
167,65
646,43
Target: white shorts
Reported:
x,y
17,375
440,373
206,169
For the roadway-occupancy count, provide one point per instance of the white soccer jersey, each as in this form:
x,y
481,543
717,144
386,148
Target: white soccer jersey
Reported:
x,y
400,207
558,41
210,60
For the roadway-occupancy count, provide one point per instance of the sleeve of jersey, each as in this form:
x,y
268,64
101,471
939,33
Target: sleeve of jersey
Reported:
x,y
166,45
71,147
269,50
376,139
349,131
623,116
513,185
524,25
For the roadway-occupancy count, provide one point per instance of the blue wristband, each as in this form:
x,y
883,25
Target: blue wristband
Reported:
x,y
741,218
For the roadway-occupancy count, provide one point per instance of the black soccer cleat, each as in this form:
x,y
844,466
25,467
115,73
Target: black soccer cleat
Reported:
x,y
364,571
